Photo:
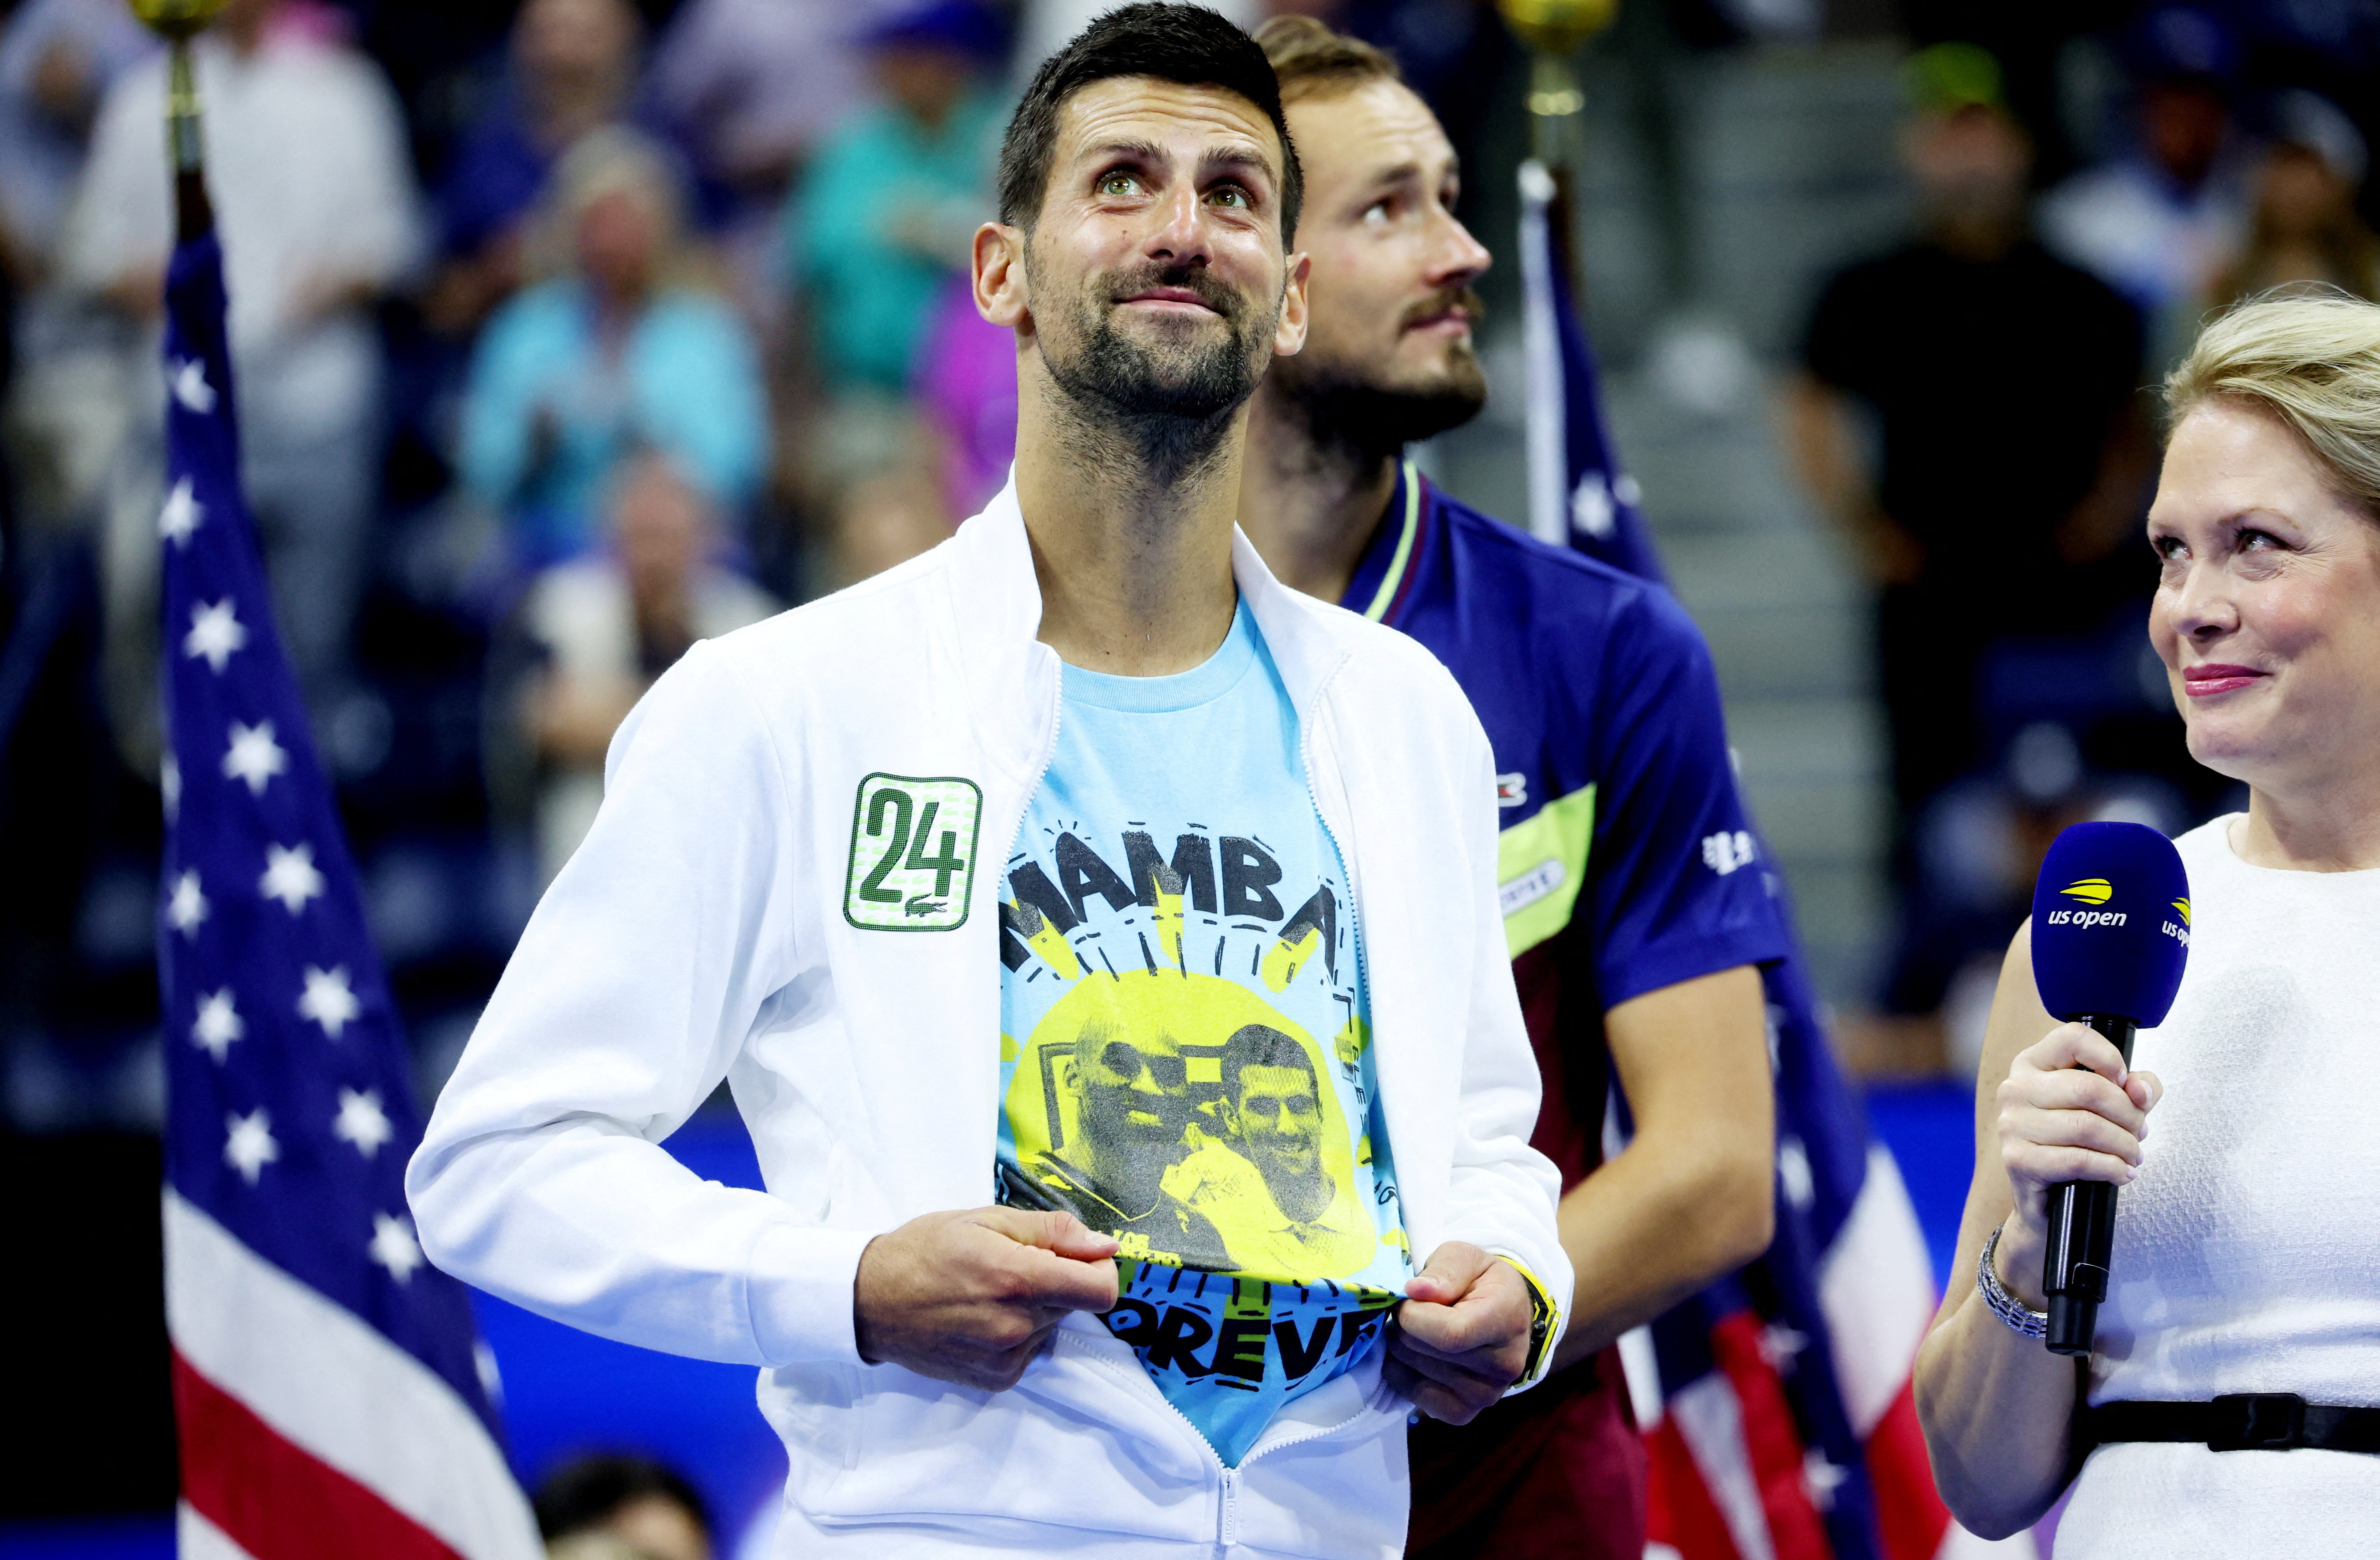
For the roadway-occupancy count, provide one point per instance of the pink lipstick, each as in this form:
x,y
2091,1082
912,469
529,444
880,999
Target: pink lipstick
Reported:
x,y
2205,681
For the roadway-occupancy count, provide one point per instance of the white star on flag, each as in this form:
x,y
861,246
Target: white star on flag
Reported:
x,y
361,1121
218,1024
393,1247
254,756
492,1381
252,1146
290,876
1782,1344
1591,509
181,515
215,633
1821,1478
190,386
169,785
1793,1170
327,1000
186,907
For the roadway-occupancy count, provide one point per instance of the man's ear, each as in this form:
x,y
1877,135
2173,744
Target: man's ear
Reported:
x,y
1000,275
1288,335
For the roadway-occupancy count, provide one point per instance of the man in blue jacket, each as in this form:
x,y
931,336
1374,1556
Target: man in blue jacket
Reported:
x,y
1637,913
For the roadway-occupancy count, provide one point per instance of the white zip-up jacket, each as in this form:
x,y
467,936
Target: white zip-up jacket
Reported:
x,y
701,932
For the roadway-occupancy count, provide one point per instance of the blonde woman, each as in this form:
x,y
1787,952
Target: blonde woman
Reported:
x,y
2247,1257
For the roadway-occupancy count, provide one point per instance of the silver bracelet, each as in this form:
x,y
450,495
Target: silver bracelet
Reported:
x,y
2019,1316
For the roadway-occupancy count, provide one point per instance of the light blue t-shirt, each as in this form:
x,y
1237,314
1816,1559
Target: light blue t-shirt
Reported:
x,y
1185,1056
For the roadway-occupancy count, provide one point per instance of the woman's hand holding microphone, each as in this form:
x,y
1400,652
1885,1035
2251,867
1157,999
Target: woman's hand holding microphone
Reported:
x,y
2070,1110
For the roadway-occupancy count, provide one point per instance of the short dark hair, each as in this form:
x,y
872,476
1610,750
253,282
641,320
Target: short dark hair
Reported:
x,y
1260,1045
1189,44
586,1491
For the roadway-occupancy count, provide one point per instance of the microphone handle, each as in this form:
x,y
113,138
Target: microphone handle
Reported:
x,y
2082,1233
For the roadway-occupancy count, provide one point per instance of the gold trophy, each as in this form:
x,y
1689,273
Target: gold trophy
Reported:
x,y
179,21
1553,30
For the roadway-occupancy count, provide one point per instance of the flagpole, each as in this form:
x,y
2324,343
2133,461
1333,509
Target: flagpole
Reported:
x,y
179,21
1554,31
320,1364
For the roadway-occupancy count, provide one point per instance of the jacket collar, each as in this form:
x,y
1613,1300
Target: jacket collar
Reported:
x,y
996,604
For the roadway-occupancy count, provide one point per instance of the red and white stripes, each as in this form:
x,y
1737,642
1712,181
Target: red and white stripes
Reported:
x,y
1730,1479
305,1432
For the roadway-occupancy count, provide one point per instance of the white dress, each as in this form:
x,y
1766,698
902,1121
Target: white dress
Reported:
x,y
2247,1254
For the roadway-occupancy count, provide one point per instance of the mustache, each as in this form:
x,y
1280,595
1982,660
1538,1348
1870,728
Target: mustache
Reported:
x,y
1442,301
1196,279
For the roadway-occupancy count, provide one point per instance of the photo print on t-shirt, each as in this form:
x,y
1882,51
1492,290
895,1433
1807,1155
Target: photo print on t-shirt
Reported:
x,y
1194,1077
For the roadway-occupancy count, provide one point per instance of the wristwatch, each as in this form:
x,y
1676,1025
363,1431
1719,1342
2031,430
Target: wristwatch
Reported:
x,y
2019,1316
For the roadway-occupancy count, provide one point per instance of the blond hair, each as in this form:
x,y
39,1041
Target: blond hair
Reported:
x,y
1312,61
607,161
2310,359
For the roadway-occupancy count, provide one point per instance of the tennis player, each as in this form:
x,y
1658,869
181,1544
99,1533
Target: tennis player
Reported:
x,y
1635,913
1100,939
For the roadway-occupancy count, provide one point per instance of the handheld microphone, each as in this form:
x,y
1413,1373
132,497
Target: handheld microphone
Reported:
x,y
2110,931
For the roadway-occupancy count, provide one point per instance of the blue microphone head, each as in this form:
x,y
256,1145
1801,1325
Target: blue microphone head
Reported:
x,y
2110,922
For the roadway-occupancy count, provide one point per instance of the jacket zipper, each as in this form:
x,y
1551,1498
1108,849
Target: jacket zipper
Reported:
x,y
1227,1505
1049,756
1049,748
1314,800
1354,893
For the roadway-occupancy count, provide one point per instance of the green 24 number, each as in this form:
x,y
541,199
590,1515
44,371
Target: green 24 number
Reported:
x,y
942,865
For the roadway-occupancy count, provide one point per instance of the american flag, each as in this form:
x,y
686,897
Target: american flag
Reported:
x,y
330,1390
1776,1404
1579,494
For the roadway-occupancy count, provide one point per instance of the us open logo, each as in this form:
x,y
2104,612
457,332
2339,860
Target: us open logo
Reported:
x,y
912,852
2090,890
2084,918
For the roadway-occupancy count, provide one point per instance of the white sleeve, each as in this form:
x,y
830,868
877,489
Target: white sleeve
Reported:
x,y
1502,1193
540,1179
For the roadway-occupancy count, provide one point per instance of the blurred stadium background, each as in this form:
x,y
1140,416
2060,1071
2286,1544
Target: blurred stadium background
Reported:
x,y
574,331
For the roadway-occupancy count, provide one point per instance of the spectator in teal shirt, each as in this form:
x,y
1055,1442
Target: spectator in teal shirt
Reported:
x,y
613,355
890,207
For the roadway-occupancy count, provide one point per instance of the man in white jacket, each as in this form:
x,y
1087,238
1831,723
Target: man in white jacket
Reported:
x,y
1228,1039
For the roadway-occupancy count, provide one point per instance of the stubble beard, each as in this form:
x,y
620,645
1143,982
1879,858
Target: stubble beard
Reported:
x,y
1170,405
1359,413
1302,1195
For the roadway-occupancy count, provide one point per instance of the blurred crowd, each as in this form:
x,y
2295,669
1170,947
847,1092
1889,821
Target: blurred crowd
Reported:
x,y
1974,407
569,331
565,334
